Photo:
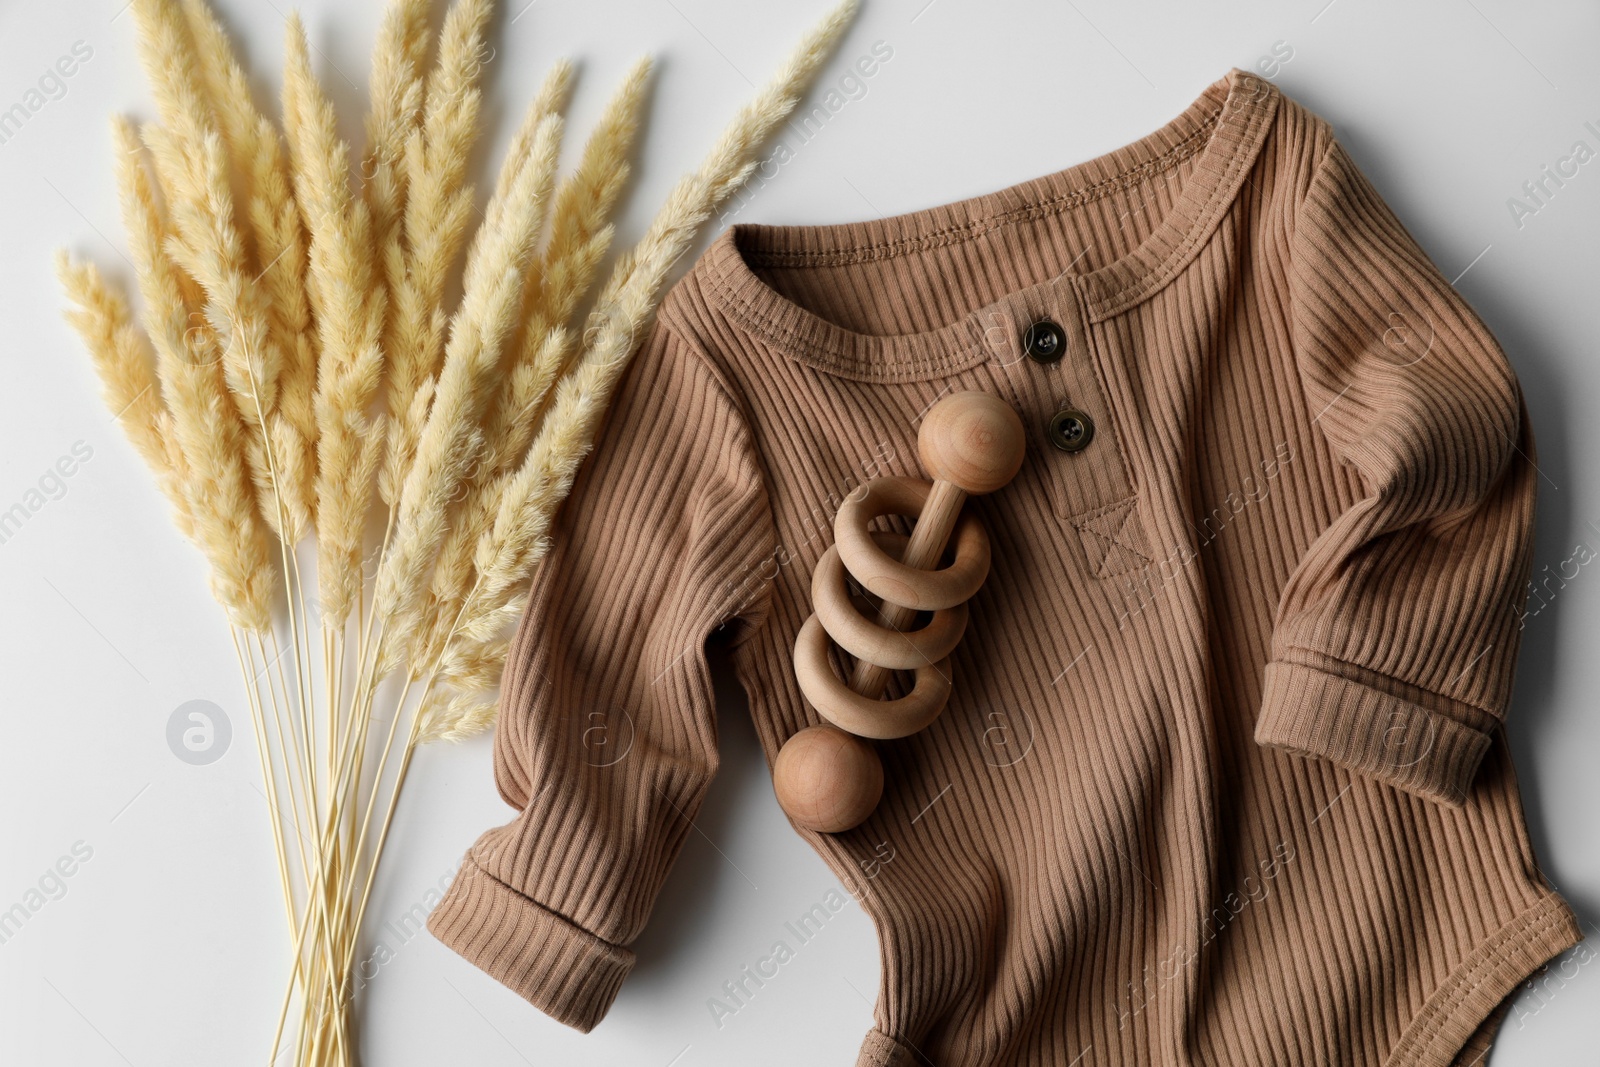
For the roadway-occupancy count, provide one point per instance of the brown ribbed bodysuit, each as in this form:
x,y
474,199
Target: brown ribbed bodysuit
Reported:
x,y
1223,779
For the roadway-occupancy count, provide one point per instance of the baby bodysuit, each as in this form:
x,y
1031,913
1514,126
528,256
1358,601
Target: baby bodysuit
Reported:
x,y
1223,778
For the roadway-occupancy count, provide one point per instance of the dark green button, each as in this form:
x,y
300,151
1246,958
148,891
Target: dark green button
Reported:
x,y
1044,342
1071,430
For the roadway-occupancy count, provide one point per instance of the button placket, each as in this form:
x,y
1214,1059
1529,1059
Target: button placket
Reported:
x,y
1087,471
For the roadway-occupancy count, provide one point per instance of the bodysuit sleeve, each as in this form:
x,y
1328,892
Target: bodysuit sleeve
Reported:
x,y
1396,636
607,736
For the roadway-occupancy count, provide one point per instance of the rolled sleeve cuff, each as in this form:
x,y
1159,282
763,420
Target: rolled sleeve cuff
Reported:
x,y
1382,735
557,966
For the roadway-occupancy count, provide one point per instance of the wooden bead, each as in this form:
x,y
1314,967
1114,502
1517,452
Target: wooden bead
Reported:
x,y
826,780
975,441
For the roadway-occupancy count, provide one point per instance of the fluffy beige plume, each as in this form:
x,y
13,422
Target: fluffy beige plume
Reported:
x,y
451,440
205,421
278,265
396,90
350,309
205,246
170,61
122,357
253,144
474,665
453,570
192,159
463,700
455,717
550,99
438,206
507,554
580,237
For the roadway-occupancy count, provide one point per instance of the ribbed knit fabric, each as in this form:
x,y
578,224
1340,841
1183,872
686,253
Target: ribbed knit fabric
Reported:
x,y
1223,779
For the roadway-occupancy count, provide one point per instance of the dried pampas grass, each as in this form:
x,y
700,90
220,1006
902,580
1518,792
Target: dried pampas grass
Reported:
x,y
294,368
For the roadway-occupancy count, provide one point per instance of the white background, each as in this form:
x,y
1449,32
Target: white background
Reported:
x,y
168,944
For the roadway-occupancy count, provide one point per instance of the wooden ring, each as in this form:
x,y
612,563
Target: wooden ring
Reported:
x,y
886,576
868,640
864,716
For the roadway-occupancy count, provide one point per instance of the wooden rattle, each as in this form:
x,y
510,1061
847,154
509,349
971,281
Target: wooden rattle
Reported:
x,y
970,444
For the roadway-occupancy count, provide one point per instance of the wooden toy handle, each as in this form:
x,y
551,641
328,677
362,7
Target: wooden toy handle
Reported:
x,y
929,538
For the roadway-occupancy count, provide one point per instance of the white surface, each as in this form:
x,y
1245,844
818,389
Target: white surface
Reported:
x,y
167,947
